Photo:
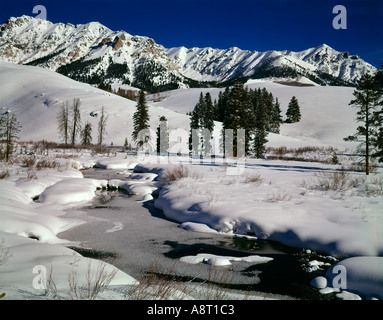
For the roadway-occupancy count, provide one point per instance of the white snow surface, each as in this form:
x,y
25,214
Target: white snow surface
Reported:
x,y
29,229
326,116
284,205
71,190
216,260
364,276
43,92
17,277
20,215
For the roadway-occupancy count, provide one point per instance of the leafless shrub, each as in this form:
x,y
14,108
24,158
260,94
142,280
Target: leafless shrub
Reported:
x,y
254,179
174,174
358,165
158,284
341,181
51,287
217,285
278,197
196,175
374,186
280,152
4,173
31,174
212,198
307,149
96,282
66,156
4,257
47,163
307,153
4,253
337,181
165,284
28,161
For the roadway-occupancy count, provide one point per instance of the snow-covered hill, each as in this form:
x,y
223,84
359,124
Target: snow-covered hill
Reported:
x,y
326,116
35,96
93,53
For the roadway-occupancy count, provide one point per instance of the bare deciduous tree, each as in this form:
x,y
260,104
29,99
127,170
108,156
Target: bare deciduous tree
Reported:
x,y
102,126
76,120
63,122
9,129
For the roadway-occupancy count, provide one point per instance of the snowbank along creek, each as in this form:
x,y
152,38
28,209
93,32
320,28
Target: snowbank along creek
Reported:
x,y
138,239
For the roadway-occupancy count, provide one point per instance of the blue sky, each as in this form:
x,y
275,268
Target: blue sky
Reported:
x,y
248,24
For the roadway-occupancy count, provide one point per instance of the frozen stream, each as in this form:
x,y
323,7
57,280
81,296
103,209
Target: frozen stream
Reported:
x,y
138,239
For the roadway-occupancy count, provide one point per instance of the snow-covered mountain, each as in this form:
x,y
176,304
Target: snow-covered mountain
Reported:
x,y
209,64
93,53
90,52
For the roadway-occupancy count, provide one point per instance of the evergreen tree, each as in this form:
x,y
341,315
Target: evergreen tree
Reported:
x,y
378,143
276,118
102,127
293,111
267,100
261,123
221,106
256,98
378,119
201,126
334,159
207,124
63,122
207,119
195,126
232,120
239,115
249,120
252,110
9,129
76,120
163,136
141,133
367,99
86,134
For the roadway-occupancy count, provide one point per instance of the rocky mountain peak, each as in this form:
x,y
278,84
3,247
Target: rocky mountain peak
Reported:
x,y
93,53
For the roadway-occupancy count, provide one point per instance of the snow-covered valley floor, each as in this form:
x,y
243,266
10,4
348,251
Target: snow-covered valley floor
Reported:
x,y
308,205
294,196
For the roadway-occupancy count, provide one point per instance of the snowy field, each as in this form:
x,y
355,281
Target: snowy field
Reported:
x,y
300,199
271,199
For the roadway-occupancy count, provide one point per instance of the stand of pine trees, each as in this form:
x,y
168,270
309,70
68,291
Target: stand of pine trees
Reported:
x,y
201,126
247,115
254,110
